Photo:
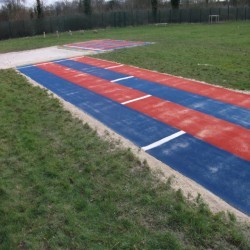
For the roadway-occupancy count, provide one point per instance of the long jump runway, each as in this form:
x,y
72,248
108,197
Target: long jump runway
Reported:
x,y
200,130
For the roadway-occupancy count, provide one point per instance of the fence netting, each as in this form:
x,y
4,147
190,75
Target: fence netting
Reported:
x,y
118,19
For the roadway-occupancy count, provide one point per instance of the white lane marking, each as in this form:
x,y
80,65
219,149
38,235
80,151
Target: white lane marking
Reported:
x,y
164,140
24,67
136,99
34,65
83,48
120,79
60,60
112,67
80,75
38,64
75,58
72,93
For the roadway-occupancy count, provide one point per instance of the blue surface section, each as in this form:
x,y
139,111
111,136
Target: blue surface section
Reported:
x,y
222,173
228,112
219,171
138,128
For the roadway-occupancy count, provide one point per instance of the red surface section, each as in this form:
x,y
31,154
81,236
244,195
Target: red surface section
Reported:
x,y
95,62
217,93
219,133
105,44
108,89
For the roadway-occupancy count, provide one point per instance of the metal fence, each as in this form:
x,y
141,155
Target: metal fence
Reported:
x,y
118,19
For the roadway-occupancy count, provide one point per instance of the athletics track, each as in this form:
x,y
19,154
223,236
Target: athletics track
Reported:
x,y
104,45
200,130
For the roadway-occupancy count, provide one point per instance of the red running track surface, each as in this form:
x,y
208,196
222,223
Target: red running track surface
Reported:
x,y
222,134
214,92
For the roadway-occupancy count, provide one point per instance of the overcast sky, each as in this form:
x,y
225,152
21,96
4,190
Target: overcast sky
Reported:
x,y
32,2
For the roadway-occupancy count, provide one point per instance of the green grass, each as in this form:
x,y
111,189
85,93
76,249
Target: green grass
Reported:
x,y
62,187
217,54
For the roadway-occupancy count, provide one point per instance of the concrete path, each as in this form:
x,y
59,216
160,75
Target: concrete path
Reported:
x,y
14,59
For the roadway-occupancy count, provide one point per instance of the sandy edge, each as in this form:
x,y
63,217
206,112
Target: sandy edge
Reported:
x,y
190,188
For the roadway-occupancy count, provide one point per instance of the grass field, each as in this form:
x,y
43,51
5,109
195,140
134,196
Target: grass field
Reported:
x,y
218,54
62,187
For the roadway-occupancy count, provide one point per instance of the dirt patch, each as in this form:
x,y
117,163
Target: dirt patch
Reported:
x,y
190,188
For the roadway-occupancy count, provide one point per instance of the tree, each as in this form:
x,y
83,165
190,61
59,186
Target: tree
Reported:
x,y
13,9
175,4
154,4
14,2
98,5
87,7
39,9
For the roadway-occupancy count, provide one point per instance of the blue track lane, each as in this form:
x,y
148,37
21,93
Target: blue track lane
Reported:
x,y
219,171
120,118
227,112
222,173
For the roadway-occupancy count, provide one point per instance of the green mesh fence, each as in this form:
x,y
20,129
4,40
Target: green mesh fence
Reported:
x,y
117,19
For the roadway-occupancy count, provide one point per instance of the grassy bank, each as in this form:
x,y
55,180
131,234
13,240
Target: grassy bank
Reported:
x,y
62,187
217,54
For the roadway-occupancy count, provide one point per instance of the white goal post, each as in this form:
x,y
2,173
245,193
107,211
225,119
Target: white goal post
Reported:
x,y
213,18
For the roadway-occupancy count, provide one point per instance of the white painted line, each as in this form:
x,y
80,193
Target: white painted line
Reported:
x,y
80,75
83,48
24,67
112,67
164,140
75,58
34,65
136,99
38,64
60,60
120,79
72,93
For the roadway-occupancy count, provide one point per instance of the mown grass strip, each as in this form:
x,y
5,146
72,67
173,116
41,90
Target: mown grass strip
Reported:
x,y
63,187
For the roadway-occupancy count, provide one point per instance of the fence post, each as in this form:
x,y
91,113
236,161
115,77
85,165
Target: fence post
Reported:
x,y
63,23
50,24
24,31
190,15
114,14
118,19
180,16
237,14
10,31
200,15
